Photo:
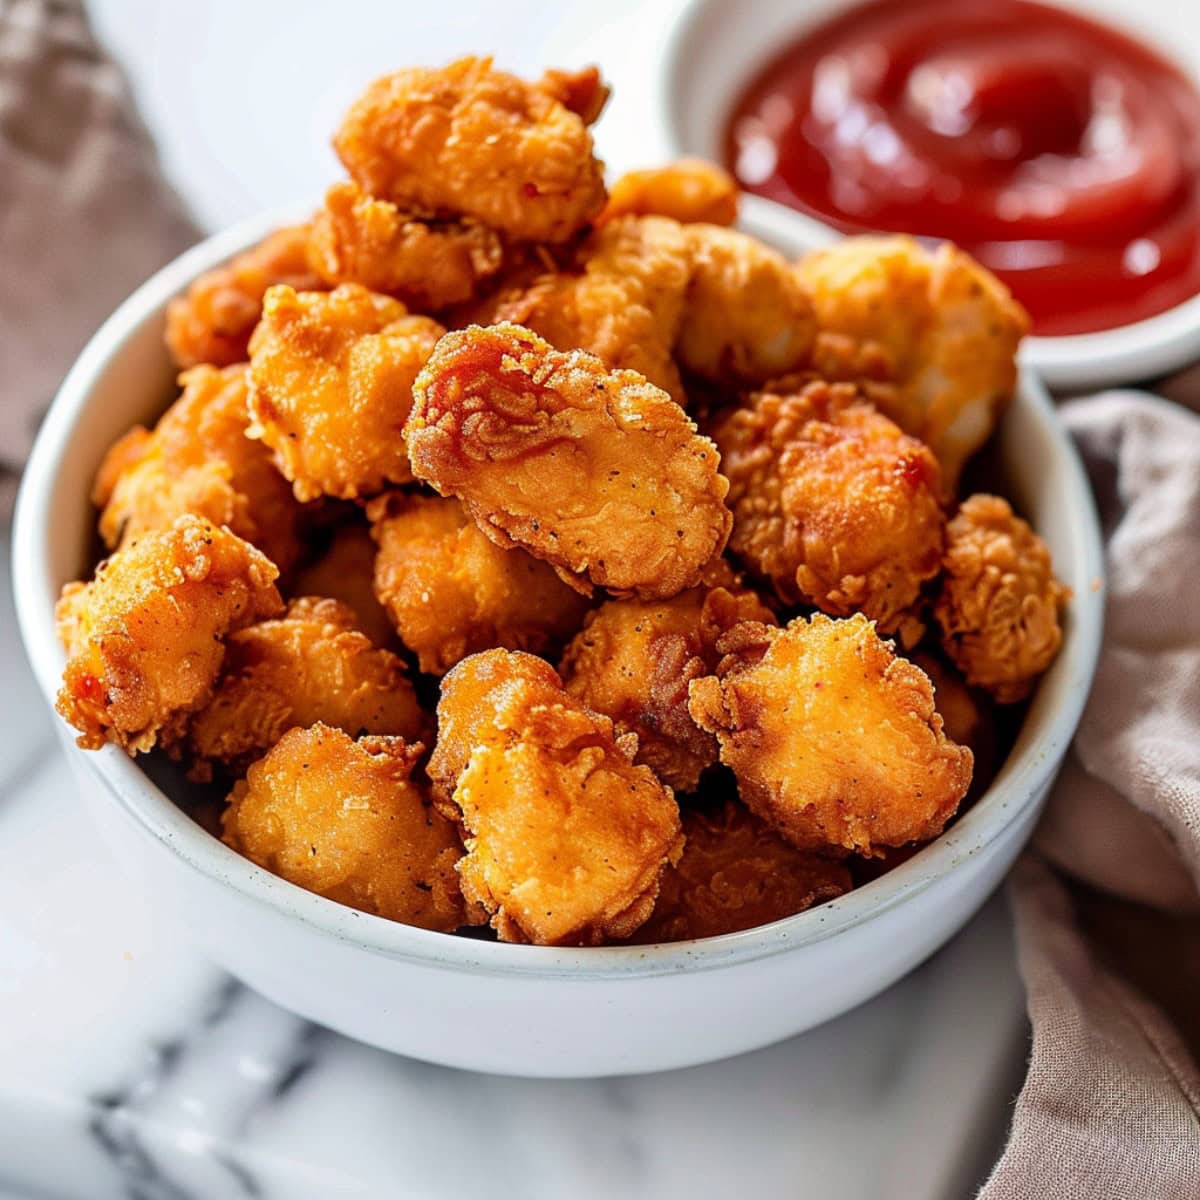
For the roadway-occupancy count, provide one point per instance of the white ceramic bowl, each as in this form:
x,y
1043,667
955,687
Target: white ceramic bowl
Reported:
x,y
715,48
523,1009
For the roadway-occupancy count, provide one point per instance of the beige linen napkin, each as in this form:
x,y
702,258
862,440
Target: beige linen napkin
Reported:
x,y
1105,903
85,214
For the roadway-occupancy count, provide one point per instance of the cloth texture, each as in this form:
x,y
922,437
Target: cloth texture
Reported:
x,y
1105,901
85,213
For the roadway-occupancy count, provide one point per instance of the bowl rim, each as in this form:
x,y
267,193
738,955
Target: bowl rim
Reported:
x,y
1018,784
1128,353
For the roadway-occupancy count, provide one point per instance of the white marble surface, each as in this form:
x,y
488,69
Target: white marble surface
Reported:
x,y
129,1066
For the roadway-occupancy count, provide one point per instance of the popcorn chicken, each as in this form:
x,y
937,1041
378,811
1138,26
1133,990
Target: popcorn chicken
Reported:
x,y
427,264
331,378
834,741
213,321
473,141
688,190
999,603
633,661
597,472
947,329
737,873
345,819
199,460
451,592
145,638
312,665
566,838
832,502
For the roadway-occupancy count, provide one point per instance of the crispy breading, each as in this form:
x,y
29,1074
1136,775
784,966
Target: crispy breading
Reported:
x,y
833,739
999,603
473,141
213,321
948,329
145,637
687,190
345,819
624,305
633,661
566,838
747,318
346,572
736,873
581,90
313,664
450,591
831,501
597,472
647,290
331,377
199,460
427,264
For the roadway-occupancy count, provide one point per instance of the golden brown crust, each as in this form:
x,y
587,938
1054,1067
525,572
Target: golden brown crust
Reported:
x,y
737,873
833,739
623,303
832,502
473,141
747,318
344,819
566,838
213,321
346,572
688,190
145,637
938,324
597,472
633,661
199,460
312,665
331,376
999,603
450,591
427,264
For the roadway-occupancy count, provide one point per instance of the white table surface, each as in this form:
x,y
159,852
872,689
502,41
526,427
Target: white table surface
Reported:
x,y
130,1066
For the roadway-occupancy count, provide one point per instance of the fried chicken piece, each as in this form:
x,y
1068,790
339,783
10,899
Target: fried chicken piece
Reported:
x,y
582,91
313,664
468,140
834,741
999,603
737,873
597,472
345,819
213,321
625,305
451,592
968,716
688,190
199,460
747,318
633,661
831,501
427,264
145,637
331,377
948,328
566,838
346,572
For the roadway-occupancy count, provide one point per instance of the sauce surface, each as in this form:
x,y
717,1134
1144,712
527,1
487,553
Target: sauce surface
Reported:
x,y
1062,154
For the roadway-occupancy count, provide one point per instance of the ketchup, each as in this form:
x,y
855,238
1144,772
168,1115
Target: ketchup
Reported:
x,y
1062,154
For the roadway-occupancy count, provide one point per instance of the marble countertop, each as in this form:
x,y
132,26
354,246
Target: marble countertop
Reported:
x,y
130,1066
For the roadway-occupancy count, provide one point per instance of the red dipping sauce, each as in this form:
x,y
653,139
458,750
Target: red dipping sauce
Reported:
x,y
1062,154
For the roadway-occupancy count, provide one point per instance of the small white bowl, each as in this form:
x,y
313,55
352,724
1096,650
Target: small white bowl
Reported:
x,y
530,1010
715,48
